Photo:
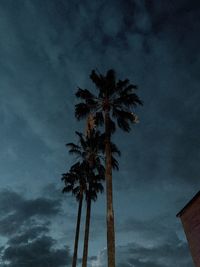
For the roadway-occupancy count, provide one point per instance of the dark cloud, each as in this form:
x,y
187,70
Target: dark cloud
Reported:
x,y
10,201
28,234
174,255
26,224
171,14
37,252
147,243
151,230
17,210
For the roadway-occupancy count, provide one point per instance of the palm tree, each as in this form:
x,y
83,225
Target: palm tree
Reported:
x,y
89,151
114,103
91,170
76,184
94,187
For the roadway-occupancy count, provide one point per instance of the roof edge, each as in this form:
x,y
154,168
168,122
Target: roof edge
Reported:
x,y
188,205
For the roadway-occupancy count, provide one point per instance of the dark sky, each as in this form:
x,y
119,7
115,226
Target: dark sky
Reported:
x,y
47,50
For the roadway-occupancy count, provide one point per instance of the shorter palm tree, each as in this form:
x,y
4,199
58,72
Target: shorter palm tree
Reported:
x,y
76,184
89,172
89,157
94,186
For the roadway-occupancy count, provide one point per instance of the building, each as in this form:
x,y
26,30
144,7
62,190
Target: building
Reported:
x,y
190,218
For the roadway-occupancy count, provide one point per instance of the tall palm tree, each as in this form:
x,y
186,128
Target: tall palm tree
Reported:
x,y
113,103
75,183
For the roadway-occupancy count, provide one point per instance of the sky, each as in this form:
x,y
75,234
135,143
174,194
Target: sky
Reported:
x,y
47,50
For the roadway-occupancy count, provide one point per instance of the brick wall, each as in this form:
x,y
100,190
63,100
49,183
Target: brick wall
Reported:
x,y
191,223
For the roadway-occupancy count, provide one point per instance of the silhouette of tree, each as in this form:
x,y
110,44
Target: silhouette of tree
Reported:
x,y
113,104
75,183
85,178
94,187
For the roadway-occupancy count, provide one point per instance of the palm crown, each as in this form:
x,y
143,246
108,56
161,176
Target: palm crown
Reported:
x,y
81,179
91,148
116,97
75,181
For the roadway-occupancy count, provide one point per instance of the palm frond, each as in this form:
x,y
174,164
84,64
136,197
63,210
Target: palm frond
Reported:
x,y
68,178
130,100
76,152
100,187
122,84
126,115
75,167
114,149
124,118
73,146
123,124
82,110
82,141
101,171
67,189
115,164
96,187
84,94
100,177
76,190
128,89
98,80
127,100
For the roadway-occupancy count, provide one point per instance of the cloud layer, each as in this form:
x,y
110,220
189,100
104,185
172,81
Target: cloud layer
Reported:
x,y
26,225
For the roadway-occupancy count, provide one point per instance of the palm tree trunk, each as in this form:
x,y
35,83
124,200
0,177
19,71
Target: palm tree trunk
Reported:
x,y
87,229
74,260
109,195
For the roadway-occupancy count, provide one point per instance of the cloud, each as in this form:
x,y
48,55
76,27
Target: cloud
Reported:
x,y
151,242
150,231
28,234
17,210
27,227
39,251
174,255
